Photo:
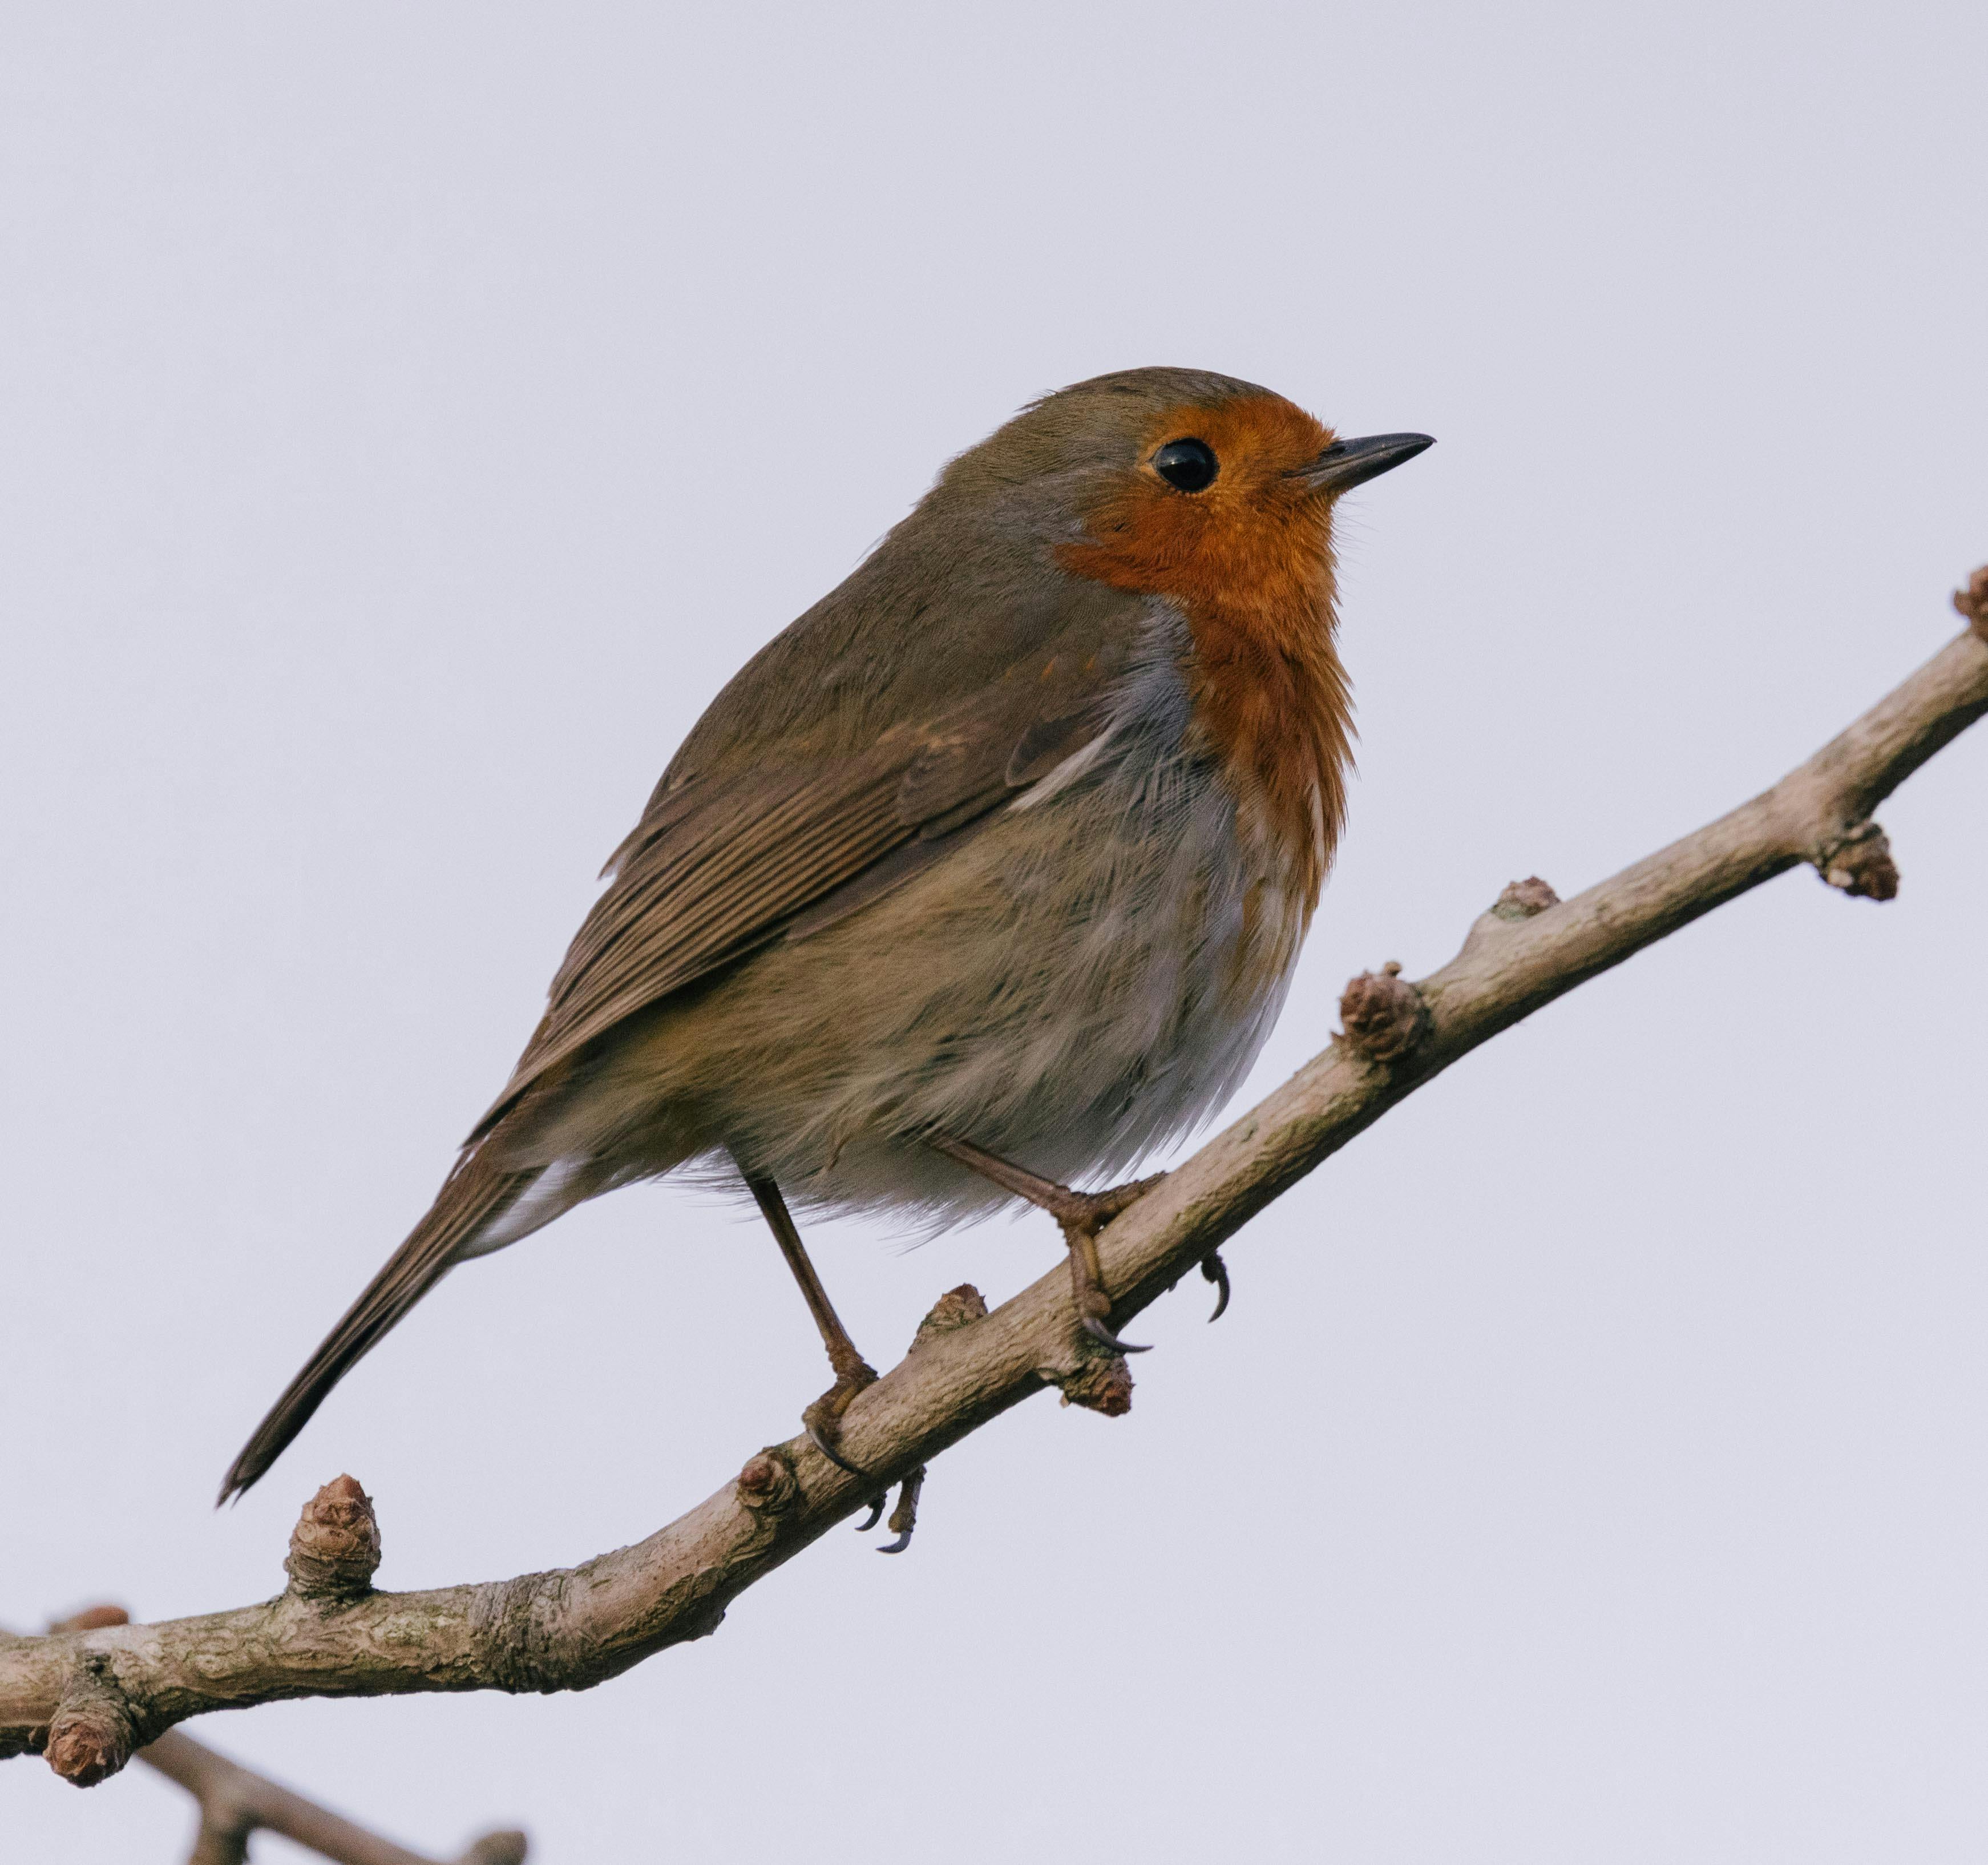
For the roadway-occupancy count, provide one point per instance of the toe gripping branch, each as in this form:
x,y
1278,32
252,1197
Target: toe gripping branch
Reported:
x,y
1081,1216
1214,1270
904,1517
958,1307
822,1420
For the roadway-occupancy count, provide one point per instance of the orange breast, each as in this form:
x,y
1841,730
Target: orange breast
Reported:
x,y
1249,562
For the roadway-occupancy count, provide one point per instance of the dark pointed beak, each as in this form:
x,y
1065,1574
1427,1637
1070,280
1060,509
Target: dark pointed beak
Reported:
x,y
1348,463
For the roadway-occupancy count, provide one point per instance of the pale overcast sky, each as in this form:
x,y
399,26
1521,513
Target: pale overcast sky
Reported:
x,y
409,415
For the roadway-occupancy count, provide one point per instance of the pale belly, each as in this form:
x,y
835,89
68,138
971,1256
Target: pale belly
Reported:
x,y
1077,982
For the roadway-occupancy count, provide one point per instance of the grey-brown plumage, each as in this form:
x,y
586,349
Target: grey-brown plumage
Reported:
x,y
959,853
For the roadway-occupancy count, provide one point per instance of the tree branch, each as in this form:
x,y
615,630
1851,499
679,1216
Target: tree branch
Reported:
x,y
236,1802
89,1698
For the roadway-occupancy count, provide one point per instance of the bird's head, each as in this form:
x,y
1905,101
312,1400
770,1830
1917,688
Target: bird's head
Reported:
x,y
1175,482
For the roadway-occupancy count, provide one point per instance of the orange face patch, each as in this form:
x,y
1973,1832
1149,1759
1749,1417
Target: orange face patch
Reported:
x,y
1249,561
1253,529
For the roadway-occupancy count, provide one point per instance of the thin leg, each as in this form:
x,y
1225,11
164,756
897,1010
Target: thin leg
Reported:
x,y
1081,1215
822,1419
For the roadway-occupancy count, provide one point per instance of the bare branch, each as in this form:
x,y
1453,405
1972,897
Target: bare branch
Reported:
x,y
82,1695
236,1802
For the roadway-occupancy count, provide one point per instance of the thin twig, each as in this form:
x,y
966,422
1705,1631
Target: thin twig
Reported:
x,y
234,1803
86,1699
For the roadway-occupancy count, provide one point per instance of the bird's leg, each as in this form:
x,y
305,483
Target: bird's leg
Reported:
x,y
823,1418
1081,1215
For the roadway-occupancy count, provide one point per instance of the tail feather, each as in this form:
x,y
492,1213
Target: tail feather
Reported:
x,y
475,1195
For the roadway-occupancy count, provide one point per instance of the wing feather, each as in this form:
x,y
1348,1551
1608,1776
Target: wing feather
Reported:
x,y
725,860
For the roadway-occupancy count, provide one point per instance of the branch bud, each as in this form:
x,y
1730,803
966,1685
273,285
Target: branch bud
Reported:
x,y
1860,864
1101,1383
335,1547
1383,1014
93,1618
768,1485
1971,602
956,1308
1524,899
92,1733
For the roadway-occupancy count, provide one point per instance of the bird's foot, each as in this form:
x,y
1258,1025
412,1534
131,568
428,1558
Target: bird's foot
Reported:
x,y
904,1517
1081,1216
1089,1212
1214,1270
822,1420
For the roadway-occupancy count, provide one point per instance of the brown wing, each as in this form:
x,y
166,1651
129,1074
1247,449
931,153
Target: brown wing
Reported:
x,y
721,863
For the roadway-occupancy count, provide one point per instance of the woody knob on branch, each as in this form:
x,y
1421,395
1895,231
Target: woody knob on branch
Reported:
x,y
335,1547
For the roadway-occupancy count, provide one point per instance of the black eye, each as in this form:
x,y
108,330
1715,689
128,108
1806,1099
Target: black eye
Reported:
x,y
1188,464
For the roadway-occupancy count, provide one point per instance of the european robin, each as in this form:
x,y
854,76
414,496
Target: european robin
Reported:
x,y
986,876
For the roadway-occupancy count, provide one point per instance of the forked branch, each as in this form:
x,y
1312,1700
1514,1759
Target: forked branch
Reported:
x,y
89,1698
235,1803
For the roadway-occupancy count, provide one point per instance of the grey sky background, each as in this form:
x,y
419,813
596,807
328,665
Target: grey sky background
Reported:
x,y
412,414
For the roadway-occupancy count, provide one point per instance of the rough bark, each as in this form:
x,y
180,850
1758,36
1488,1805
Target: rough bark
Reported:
x,y
86,1699
234,1803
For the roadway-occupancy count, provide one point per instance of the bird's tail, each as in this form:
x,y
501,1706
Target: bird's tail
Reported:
x,y
471,1205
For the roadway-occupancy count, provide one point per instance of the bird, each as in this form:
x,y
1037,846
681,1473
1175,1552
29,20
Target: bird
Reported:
x,y
984,878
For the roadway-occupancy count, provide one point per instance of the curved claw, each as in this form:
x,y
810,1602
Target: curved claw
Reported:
x,y
1098,1332
898,1546
821,1443
875,1516
1217,1272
